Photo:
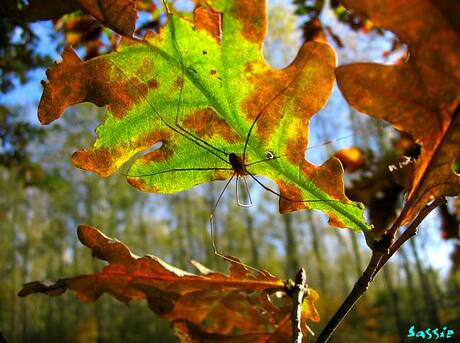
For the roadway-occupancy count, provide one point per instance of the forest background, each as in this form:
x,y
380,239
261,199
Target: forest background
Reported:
x,y
43,199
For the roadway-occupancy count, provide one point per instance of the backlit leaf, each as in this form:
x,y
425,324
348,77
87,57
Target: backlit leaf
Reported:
x,y
212,75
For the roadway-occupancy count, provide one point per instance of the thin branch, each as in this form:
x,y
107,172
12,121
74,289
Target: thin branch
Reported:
x,y
356,293
411,230
381,253
299,290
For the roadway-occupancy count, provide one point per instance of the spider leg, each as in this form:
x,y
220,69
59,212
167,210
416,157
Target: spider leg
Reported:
x,y
246,188
286,198
175,170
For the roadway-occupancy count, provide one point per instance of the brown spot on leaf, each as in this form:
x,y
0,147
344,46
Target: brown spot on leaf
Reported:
x,y
263,102
251,14
125,95
291,192
333,221
153,84
161,154
248,67
208,20
99,81
151,138
179,83
98,160
140,184
295,147
206,124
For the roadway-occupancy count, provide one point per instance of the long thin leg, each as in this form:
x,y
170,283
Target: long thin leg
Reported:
x,y
175,170
211,216
162,119
338,139
246,188
214,232
181,60
291,200
263,110
264,160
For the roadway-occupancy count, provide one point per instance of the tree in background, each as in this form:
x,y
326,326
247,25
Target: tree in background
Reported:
x,y
179,237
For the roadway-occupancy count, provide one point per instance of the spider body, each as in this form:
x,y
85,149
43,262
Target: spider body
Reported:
x,y
237,164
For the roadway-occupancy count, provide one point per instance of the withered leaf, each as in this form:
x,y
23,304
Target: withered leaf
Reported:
x,y
119,15
420,97
239,303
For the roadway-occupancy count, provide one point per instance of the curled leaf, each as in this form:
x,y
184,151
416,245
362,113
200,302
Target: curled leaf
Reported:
x,y
420,97
212,303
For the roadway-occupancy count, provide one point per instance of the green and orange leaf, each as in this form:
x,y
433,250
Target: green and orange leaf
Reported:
x,y
212,76
211,303
420,97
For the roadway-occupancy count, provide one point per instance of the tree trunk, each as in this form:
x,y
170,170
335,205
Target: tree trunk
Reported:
x,y
318,251
342,270
292,257
252,239
414,301
394,303
430,302
356,253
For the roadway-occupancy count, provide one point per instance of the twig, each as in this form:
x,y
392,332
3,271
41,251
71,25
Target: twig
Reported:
x,y
299,290
381,253
358,290
411,230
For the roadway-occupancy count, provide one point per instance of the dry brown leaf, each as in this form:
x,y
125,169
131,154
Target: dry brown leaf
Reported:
x,y
420,97
214,304
119,15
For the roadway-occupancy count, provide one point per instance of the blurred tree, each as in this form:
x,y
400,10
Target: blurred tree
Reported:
x,y
18,53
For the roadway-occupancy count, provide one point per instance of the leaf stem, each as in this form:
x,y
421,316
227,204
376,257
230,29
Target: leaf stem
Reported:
x,y
381,253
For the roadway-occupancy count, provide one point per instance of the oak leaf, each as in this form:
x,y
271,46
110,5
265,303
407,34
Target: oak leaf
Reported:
x,y
203,91
420,97
213,304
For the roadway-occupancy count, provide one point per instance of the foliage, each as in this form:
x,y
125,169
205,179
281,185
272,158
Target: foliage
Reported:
x,y
207,305
425,89
16,137
18,53
218,88
119,15
200,103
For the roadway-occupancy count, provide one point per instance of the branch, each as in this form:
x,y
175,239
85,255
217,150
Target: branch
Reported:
x,y
411,230
356,293
299,290
381,253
